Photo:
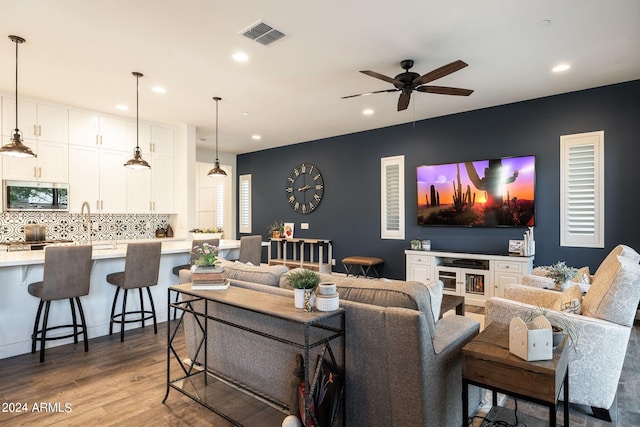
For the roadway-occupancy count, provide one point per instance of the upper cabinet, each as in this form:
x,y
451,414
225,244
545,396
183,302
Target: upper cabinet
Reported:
x,y
44,130
90,129
36,121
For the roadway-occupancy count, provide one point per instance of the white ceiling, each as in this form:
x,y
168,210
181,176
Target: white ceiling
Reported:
x,y
82,53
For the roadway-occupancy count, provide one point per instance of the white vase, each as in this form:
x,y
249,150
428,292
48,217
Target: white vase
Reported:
x,y
299,297
566,285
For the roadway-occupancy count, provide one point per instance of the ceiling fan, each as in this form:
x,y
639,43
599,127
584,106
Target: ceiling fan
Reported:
x,y
408,81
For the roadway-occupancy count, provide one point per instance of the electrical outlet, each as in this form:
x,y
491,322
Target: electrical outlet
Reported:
x,y
304,226
333,261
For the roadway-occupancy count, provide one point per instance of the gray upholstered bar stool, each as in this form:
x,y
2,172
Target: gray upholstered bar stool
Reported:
x,y
194,256
67,273
251,249
141,267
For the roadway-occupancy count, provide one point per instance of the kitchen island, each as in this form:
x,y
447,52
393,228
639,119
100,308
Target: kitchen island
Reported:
x,y
18,308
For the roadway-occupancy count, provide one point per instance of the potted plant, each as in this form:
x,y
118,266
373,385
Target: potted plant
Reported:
x,y
303,281
206,258
561,274
559,326
206,233
276,229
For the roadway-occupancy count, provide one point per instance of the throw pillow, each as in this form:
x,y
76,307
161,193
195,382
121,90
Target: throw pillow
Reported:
x,y
570,301
435,292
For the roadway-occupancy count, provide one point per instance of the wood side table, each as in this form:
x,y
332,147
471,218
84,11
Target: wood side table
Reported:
x,y
487,362
450,302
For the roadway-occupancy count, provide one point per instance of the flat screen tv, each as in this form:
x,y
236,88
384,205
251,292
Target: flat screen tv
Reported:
x,y
485,193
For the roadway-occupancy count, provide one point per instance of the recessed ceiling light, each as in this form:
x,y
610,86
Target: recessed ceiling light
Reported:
x,y
246,114
560,68
367,112
159,89
544,23
256,137
240,57
122,107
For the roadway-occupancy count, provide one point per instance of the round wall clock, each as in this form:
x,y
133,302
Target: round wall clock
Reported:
x,y
304,188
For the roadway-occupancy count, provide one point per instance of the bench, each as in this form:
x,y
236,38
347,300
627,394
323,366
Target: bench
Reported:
x,y
364,263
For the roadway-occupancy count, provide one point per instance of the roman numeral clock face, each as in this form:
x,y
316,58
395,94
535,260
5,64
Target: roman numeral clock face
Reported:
x,y
304,188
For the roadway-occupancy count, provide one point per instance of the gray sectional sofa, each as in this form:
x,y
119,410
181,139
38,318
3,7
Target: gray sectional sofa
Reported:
x,y
402,367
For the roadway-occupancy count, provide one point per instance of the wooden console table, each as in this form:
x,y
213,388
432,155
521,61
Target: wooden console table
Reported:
x,y
293,253
487,362
317,329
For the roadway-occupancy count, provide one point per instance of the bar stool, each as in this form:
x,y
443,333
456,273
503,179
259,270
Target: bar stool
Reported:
x,y
67,273
142,263
194,256
251,249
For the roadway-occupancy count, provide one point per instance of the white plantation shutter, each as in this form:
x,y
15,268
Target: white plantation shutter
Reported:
x,y
220,203
582,190
245,203
392,205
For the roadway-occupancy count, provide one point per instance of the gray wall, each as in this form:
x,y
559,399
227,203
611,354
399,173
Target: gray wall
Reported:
x,y
350,210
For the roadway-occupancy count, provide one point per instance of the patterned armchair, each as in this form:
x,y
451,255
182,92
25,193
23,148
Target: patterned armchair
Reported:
x,y
602,328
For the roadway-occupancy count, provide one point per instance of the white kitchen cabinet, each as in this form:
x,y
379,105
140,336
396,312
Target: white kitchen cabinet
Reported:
x,y
91,129
474,276
50,165
162,141
98,177
151,191
35,121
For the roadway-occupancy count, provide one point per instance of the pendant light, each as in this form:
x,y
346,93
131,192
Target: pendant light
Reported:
x,y
15,147
137,162
217,171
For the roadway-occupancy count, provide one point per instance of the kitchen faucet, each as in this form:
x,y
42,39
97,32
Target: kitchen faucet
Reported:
x,y
86,219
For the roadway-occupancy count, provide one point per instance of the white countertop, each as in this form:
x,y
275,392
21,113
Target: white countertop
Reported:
x,y
106,250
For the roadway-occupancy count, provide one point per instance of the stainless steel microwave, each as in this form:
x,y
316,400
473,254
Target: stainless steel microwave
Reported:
x,y
35,196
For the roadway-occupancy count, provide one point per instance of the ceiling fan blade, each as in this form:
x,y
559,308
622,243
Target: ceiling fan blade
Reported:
x,y
444,90
370,93
403,101
438,73
381,77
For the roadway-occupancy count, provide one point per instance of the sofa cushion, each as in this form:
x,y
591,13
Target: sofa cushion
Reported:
x,y
614,292
569,301
264,274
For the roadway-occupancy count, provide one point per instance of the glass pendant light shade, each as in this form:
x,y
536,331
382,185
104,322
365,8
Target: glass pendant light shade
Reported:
x,y
217,171
137,162
15,147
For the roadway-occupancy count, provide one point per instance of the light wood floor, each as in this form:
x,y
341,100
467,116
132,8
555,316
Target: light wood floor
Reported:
x,y
124,384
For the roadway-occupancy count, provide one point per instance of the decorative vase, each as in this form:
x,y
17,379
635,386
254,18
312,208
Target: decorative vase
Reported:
x,y
557,335
565,285
303,298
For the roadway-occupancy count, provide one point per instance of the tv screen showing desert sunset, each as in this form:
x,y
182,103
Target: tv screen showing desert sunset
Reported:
x,y
489,193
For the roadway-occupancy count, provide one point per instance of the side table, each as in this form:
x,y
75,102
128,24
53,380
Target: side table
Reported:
x,y
487,362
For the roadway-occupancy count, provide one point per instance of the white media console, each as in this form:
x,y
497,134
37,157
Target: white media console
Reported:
x,y
474,276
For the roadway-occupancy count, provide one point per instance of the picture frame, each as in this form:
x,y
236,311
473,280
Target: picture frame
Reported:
x,y
516,246
288,230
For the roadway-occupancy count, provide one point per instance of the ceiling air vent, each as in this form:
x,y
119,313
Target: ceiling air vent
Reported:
x,y
263,33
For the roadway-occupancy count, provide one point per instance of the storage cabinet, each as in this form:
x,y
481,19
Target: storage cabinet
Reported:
x,y
474,276
91,129
50,165
35,121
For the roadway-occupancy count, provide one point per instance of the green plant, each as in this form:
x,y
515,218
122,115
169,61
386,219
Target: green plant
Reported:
x,y
559,323
207,255
560,272
276,227
303,279
206,230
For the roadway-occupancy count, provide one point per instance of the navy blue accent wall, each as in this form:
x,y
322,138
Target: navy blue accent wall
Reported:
x,y
350,210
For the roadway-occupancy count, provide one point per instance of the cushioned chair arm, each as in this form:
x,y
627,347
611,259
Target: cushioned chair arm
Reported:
x,y
529,295
538,281
452,332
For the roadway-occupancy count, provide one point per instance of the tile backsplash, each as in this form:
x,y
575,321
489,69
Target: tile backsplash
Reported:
x,y
70,226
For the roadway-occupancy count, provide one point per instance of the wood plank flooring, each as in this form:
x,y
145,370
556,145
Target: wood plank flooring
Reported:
x,y
123,384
